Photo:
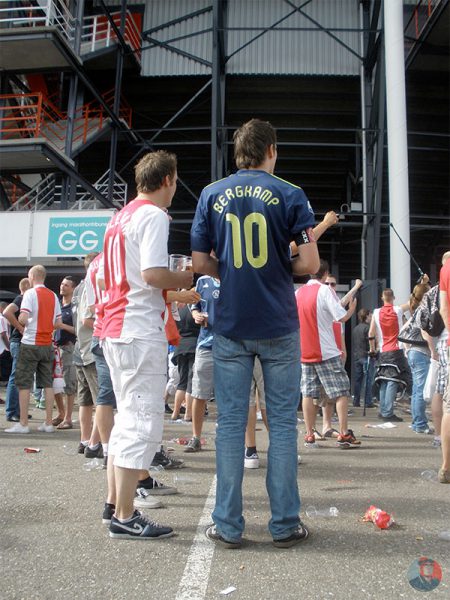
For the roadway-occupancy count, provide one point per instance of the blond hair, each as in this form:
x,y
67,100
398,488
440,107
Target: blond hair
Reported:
x,y
38,272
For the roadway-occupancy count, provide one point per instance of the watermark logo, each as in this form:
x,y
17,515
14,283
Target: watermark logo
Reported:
x,y
424,574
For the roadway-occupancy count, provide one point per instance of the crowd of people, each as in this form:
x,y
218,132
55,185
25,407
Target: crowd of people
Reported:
x,y
135,336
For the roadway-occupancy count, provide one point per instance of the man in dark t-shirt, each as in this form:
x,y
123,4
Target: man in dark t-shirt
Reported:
x,y
249,219
65,339
11,313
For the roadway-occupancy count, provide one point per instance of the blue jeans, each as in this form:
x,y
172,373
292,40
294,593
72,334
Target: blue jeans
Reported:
x,y
12,393
419,364
233,372
388,392
360,374
105,394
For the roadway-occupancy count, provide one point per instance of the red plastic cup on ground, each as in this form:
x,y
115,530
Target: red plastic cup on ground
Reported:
x,y
31,450
380,518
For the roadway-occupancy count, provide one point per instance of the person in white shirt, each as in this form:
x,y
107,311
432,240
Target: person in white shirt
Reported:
x,y
133,333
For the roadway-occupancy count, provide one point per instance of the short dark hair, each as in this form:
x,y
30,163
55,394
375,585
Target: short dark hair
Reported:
x,y
324,268
363,313
251,141
71,279
151,170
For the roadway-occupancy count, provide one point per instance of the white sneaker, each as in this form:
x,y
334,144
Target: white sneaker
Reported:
x,y
46,428
144,500
18,428
252,462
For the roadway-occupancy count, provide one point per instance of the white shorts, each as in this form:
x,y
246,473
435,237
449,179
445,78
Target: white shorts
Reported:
x,y
139,374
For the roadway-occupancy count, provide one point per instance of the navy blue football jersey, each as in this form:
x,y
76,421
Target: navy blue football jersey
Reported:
x,y
249,220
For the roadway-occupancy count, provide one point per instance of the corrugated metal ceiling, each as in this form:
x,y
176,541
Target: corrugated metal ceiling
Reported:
x,y
283,52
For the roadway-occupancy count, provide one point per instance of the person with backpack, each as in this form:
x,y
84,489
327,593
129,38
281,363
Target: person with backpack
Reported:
x,y
418,352
435,332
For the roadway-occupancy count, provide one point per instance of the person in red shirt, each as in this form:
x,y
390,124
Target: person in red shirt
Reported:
x,y
384,328
318,307
40,313
444,286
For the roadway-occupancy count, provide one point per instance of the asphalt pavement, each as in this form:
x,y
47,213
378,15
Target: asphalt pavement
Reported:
x,y
53,543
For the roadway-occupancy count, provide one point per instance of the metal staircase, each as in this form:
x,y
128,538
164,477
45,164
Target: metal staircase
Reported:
x,y
35,116
47,195
96,32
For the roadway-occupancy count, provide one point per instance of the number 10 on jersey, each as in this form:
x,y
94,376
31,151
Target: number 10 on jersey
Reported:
x,y
242,234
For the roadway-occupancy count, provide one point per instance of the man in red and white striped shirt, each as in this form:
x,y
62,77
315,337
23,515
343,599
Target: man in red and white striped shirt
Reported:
x,y
318,308
40,312
134,341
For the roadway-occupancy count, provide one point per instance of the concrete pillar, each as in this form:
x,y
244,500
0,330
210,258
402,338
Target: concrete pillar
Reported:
x,y
400,264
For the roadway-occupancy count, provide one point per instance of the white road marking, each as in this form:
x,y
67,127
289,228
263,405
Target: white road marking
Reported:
x,y
194,583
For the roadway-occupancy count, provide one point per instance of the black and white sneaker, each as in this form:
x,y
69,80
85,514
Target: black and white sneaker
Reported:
x,y
108,512
213,535
162,459
299,535
138,528
95,452
156,488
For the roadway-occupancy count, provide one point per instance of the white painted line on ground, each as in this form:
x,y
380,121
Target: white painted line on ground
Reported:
x,y
194,583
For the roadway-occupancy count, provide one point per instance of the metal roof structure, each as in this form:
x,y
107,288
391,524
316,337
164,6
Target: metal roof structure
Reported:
x,y
305,65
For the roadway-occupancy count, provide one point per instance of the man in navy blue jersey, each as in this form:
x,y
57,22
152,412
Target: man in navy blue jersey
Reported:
x,y
249,219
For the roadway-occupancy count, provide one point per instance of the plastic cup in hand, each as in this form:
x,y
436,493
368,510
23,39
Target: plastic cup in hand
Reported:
x,y
179,262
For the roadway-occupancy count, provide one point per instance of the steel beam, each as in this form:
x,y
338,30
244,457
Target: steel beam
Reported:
x,y
191,15
218,148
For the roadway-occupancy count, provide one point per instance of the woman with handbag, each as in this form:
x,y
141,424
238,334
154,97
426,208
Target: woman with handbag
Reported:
x,y
418,353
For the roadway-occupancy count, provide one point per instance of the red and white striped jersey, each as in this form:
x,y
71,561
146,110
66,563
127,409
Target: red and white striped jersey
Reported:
x,y
317,308
135,240
388,320
43,310
95,296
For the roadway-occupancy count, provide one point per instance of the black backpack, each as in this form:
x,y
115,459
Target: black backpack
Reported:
x,y
430,317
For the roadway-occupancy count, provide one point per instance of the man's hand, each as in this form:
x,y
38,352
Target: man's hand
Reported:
x,y
185,296
330,219
185,279
199,317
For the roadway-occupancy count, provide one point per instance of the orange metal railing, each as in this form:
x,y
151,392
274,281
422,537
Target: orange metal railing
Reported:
x,y
97,33
33,115
418,19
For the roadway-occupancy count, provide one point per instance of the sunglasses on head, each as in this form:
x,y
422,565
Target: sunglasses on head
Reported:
x,y
332,283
